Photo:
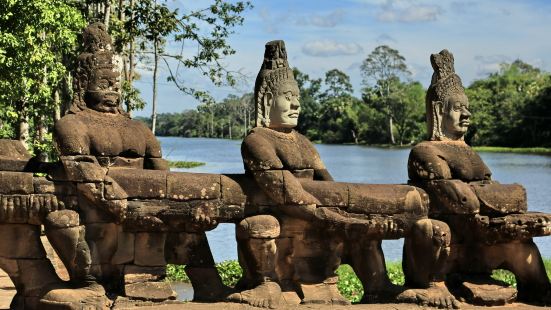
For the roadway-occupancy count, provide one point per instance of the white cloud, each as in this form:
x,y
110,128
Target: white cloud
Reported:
x,y
328,48
489,64
407,12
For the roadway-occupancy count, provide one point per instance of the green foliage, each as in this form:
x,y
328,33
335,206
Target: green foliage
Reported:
x,y
36,40
184,164
511,107
349,285
521,150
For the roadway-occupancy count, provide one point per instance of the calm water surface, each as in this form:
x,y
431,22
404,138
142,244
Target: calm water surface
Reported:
x,y
351,163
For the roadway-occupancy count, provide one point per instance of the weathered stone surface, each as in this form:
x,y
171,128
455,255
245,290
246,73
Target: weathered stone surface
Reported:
x,y
188,186
83,169
16,183
149,249
145,184
125,247
500,199
21,241
153,291
138,274
102,240
13,149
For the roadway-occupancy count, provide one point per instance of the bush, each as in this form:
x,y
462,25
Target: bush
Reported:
x,y
349,285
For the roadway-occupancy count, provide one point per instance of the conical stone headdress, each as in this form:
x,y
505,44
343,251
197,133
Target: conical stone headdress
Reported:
x,y
274,71
97,55
444,83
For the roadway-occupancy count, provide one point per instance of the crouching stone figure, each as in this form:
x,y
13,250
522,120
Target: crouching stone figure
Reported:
x,y
297,246
490,225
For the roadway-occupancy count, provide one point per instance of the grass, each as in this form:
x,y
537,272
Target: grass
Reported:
x,y
349,285
184,164
523,150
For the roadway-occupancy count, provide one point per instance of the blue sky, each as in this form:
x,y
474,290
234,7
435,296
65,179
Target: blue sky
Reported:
x,y
326,34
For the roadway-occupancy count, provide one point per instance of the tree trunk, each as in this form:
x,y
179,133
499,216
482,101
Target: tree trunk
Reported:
x,y
154,103
229,128
391,134
22,127
131,65
107,13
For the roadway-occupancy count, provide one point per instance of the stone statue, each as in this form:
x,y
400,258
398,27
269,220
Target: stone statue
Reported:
x,y
490,226
299,243
97,135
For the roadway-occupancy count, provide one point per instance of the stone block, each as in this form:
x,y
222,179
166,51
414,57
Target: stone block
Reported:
x,y
102,240
154,291
385,199
21,241
500,199
138,274
16,183
330,194
149,249
13,149
191,186
44,186
83,169
125,247
36,274
235,188
139,183
11,164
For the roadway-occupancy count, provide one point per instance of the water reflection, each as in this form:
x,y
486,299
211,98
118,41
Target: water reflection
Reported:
x,y
351,163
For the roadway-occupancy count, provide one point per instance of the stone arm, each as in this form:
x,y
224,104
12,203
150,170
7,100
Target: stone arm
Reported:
x,y
70,137
424,163
153,158
277,182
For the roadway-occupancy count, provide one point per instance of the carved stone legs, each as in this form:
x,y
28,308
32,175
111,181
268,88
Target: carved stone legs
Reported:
x,y
425,263
257,256
367,259
192,250
67,237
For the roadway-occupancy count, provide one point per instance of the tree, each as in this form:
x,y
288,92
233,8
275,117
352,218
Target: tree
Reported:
x,y
382,67
309,89
510,107
37,40
339,110
156,22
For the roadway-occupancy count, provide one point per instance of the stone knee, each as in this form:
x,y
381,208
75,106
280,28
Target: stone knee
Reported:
x,y
257,247
67,237
426,252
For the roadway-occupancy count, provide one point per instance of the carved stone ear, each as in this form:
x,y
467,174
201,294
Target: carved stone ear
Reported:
x,y
267,104
437,112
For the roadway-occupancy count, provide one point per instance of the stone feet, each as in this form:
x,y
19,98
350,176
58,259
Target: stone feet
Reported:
x,y
58,297
326,294
437,295
382,295
481,290
266,295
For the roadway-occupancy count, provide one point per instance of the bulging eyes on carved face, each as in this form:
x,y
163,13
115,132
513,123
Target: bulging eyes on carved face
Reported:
x,y
285,106
103,91
455,118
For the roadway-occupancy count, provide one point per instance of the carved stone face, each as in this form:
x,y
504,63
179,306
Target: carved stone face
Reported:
x,y
455,116
103,89
285,107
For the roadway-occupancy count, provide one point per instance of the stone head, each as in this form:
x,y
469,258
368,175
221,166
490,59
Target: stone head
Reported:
x,y
96,79
276,93
446,103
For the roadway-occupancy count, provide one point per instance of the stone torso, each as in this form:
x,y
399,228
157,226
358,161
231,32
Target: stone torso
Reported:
x,y
100,134
266,149
432,160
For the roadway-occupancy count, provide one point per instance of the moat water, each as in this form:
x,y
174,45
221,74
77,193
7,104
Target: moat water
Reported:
x,y
361,164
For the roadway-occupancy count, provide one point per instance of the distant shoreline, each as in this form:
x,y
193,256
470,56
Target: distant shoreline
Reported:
x,y
485,149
